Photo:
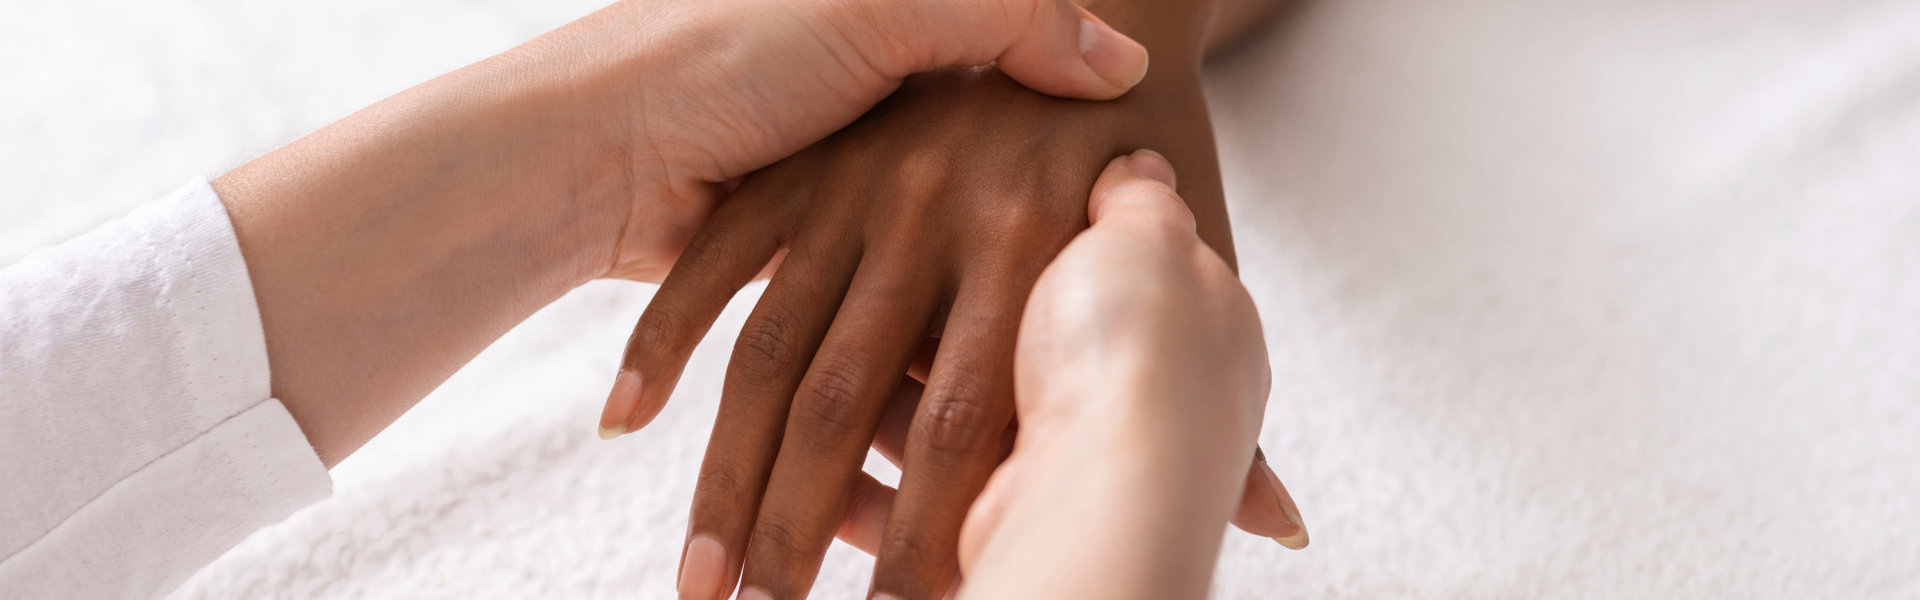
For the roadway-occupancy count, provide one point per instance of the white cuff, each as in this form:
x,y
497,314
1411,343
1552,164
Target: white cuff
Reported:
x,y
138,438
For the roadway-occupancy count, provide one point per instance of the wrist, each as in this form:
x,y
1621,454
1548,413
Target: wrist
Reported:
x,y
1174,31
1172,101
546,180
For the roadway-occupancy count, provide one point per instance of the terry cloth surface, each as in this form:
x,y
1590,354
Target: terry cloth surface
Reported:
x,y
1565,299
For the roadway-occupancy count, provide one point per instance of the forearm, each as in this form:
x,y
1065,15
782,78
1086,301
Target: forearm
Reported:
x,y
389,248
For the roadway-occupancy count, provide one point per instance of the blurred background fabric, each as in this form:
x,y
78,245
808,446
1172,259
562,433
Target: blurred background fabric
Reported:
x,y
1565,299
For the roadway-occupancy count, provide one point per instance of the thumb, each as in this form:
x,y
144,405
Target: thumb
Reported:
x,y
1137,190
1052,46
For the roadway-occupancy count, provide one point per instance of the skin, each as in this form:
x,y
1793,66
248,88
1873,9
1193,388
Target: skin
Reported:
x,y
1142,375
1118,487
389,248
861,283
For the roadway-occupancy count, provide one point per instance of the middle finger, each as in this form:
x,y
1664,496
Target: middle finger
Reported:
x,y
955,440
832,423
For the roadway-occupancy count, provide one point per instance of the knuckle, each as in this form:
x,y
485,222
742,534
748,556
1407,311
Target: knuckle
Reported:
x,y
924,163
721,486
1019,233
1034,219
704,252
1013,217
958,420
779,536
766,345
914,542
659,325
829,401
922,172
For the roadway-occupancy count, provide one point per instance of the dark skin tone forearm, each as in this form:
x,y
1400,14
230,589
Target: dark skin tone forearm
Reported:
x,y
930,217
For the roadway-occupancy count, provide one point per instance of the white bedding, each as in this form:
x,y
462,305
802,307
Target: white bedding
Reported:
x,y
1566,299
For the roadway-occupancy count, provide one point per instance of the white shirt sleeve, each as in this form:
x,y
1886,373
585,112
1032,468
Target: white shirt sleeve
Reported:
x,y
138,438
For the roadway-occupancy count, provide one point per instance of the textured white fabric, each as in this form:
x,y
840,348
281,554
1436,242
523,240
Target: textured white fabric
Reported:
x,y
1567,299
137,438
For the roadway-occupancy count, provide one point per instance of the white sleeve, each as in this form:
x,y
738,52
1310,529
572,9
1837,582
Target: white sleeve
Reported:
x,y
138,438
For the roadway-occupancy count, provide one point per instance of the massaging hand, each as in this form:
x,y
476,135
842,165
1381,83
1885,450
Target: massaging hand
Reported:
x,y
1142,376
390,247
760,79
1141,380
933,215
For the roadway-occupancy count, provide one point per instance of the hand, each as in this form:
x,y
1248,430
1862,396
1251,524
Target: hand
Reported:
x,y
1142,378
387,249
931,216
753,81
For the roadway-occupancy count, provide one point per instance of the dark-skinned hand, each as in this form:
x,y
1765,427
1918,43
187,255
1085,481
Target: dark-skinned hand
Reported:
x,y
931,216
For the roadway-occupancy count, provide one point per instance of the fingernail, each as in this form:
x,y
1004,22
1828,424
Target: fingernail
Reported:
x,y
885,596
1298,539
1151,165
1112,55
618,418
754,593
701,570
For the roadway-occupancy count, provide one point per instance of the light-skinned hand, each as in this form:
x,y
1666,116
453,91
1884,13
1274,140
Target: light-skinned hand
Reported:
x,y
389,248
1142,378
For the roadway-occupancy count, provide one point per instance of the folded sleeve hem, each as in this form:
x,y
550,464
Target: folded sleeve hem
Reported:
x,y
139,419
250,471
